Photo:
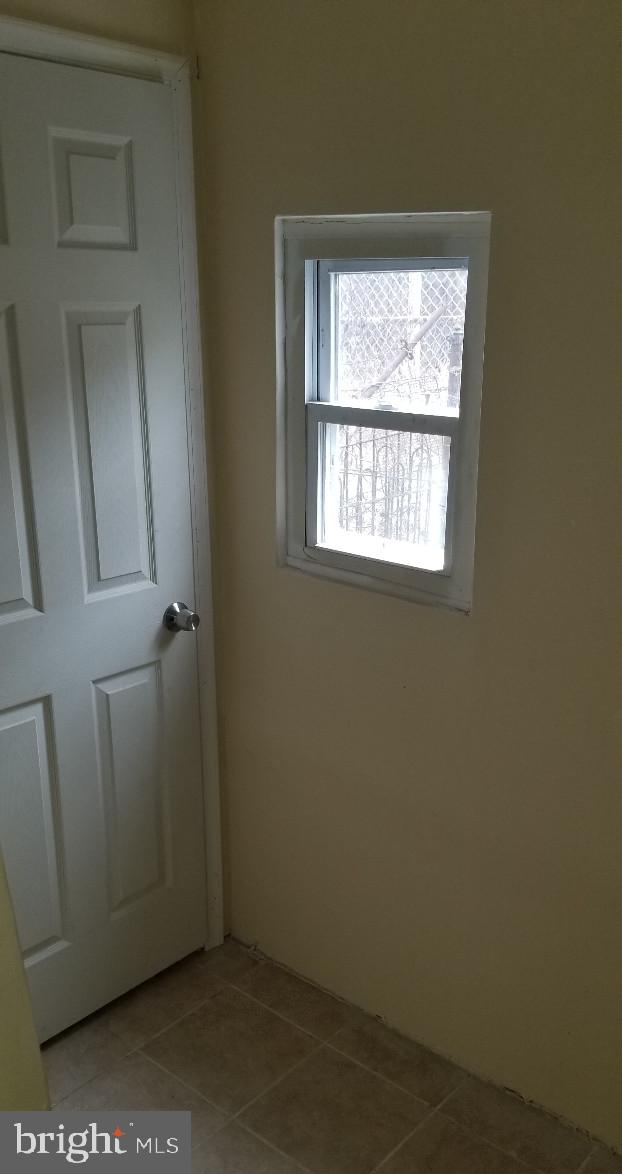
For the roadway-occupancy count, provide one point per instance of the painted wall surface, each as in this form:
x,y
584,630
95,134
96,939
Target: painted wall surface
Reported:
x,y
22,1082
157,24
423,809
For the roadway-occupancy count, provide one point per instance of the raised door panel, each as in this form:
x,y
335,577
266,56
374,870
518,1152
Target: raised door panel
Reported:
x,y
30,830
110,418
93,190
4,230
129,720
19,587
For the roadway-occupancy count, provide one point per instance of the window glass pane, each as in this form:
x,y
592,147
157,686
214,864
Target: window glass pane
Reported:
x,y
383,494
397,339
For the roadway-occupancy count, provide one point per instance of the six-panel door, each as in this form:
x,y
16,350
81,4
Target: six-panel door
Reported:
x,y
101,810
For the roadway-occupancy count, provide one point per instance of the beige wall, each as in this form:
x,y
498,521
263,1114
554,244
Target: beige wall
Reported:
x,y
424,810
157,24
22,1083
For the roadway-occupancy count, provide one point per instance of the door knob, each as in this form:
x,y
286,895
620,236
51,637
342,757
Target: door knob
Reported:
x,y
179,618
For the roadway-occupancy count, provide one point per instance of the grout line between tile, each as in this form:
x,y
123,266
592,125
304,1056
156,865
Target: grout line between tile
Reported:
x,y
453,1091
320,1043
260,956
190,1087
387,1079
336,1033
493,1145
271,1146
424,1120
274,1084
586,1161
403,1141
475,1136
326,1042
292,1022
508,1153
118,1061
54,1104
85,1084
156,1035
131,1051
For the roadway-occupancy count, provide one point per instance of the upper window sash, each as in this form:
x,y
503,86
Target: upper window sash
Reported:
x,y
319,291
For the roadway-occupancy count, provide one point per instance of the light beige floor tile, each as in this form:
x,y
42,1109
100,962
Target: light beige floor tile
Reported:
x,y
517,1128
234,1151
79,1054
439,1146
156,1004
304,1004
98,1042
604,1162
231,1049
137,1083
334,1116
408,1064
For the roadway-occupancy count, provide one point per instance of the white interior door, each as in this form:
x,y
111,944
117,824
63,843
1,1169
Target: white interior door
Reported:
x,y
101,810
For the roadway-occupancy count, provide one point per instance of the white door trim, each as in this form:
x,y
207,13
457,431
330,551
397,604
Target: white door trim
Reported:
x,y
28,39
52,44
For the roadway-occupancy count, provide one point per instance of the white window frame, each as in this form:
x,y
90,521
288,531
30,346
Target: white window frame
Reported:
x,y
308,249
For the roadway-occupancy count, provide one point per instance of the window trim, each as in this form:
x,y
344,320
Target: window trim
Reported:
x,y
441,238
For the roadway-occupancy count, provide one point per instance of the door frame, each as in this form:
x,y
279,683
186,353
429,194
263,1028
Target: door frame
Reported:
x,y
27,39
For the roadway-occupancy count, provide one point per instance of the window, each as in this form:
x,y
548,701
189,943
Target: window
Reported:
x,y
380,324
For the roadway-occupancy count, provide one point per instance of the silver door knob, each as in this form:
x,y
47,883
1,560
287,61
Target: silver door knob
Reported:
x,y
179,618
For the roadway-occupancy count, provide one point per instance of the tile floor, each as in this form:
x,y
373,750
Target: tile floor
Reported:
x,y
280,1077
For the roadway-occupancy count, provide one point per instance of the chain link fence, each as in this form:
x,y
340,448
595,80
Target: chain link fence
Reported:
x,y
380,312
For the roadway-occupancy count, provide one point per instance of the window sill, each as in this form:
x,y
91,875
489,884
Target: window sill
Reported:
x,y
341,568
